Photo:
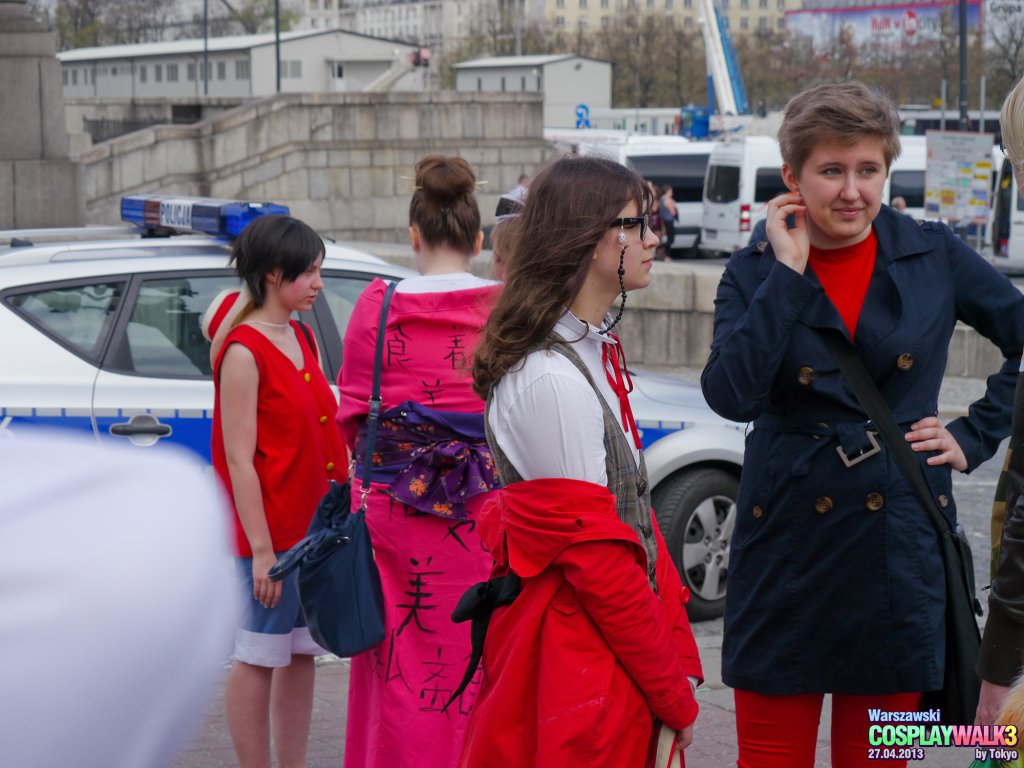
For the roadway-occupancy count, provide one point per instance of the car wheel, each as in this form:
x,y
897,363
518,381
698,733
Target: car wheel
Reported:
x,y
696,512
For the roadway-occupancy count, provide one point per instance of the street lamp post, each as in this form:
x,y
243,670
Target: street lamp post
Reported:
x,y
277,42
518,27
206,47
965,120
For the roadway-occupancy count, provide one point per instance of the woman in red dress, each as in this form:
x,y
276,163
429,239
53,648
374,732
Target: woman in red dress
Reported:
x,y
275,448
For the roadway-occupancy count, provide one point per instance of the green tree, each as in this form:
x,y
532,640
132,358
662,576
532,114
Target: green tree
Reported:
x,y
775,67
42,11
1005,56
258,15
80,23
136,21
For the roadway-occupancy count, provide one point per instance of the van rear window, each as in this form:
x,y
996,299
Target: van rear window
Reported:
x,y
909,185
685,173
723,185
768,184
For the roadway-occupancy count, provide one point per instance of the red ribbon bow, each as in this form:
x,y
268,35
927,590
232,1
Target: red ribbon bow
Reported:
x,y
622,384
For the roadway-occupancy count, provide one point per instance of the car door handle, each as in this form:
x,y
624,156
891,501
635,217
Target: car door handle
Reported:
x,y
142,429
127,429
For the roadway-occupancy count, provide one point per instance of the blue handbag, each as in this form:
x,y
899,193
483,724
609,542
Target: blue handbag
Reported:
x,y
339,584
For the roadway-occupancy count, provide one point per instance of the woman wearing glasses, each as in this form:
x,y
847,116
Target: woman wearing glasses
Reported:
x,y
596,647
835,574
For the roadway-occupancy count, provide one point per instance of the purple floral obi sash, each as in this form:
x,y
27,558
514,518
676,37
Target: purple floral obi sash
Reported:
x,y
432,461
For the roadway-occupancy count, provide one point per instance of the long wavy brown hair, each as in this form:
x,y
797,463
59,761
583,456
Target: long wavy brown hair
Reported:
x,y
570,206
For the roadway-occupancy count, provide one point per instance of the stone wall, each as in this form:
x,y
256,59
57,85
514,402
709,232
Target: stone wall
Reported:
x,y
669,324
342,162
85,114
40,186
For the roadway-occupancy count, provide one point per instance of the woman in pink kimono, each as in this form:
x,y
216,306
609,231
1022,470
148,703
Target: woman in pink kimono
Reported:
x,y
432,470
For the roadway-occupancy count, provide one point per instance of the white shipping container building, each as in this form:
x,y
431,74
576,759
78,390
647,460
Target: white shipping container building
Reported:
x,y
572,85
241,66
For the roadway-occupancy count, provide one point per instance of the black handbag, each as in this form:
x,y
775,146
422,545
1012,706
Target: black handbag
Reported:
x,y
339,584
957,700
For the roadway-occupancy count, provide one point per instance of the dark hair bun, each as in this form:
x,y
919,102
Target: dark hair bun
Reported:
x,y
444,179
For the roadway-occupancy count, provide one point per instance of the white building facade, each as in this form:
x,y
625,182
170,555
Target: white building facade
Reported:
x,y
240,66
433,24
740,16
572,85
436,23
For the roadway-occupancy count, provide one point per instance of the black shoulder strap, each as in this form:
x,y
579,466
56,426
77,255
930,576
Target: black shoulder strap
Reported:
x,y
309,340
373,416
959,577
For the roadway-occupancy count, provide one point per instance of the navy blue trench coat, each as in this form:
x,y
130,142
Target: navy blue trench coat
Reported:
x,y
835,578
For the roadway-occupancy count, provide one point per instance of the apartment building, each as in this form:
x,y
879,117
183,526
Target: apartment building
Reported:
x,y
429,23
741,16
239,66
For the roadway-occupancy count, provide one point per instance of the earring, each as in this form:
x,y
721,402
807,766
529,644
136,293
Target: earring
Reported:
x,y
622,237
622,285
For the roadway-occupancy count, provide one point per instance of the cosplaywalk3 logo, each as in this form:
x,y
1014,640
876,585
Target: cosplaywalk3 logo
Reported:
x,y
905,735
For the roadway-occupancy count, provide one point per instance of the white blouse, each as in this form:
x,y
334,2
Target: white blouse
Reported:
x,y
451,281
547,418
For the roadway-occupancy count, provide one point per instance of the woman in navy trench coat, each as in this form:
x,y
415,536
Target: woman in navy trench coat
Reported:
x,y
835,581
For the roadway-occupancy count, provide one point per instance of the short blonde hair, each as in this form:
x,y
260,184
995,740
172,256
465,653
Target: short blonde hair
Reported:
x,y
1011,126
846,112
1012,710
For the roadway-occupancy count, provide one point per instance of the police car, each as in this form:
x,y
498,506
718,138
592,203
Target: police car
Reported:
x,y
100,331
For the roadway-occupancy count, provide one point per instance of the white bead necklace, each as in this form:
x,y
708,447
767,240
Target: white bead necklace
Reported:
x,y
268,323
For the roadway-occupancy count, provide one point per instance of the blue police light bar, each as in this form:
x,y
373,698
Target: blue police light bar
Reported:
x,y
226,218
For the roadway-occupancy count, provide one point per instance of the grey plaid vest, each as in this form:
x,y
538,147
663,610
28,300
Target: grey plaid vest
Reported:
x,y
626,481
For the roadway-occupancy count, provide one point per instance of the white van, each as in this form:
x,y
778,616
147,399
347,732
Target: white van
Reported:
x,y
1007,228
587,141
682,164
906,176
742,177
663,160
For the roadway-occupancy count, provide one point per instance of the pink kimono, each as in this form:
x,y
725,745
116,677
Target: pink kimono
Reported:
x,y
428,559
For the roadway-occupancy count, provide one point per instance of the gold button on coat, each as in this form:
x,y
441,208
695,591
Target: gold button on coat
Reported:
x,y
806,375
323,419
874,502
306,376
757,512
943,500
905,361
822,505
330,466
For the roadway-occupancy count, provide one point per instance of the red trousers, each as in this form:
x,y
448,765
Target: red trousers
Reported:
x,y
782,731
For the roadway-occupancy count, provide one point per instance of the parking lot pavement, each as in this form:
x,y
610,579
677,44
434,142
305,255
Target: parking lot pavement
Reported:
x,y
212,746
714,744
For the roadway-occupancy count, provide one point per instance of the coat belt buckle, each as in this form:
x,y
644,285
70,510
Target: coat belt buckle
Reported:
x,y
857,459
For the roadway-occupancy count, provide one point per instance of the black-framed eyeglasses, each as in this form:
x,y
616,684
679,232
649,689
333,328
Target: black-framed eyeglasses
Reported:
x,y
632,221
